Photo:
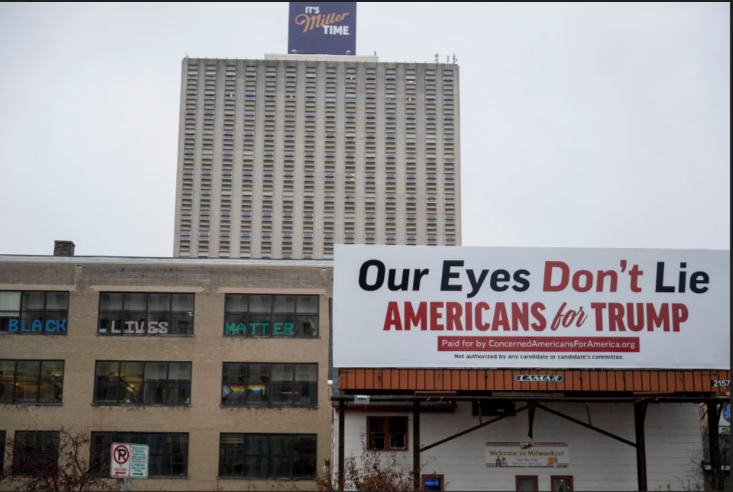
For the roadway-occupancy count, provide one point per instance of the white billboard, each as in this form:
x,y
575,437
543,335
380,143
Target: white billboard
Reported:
x,y
415,306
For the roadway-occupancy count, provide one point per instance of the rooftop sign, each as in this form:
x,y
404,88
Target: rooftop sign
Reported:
x,y
406,306
327,28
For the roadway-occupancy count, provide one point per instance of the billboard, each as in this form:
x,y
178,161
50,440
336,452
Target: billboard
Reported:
x,y
407,306
327,28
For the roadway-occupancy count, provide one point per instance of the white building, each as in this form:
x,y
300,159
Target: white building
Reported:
x,y
596,462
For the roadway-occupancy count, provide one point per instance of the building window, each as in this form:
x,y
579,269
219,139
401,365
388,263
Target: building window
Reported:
x,y
135,313
168,452
387,433
31,381
269,385
561,483
271,316
34,312
35,452
142,383
267,455
527,483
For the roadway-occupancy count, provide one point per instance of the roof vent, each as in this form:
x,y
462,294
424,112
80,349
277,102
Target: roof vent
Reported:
x,y
63,248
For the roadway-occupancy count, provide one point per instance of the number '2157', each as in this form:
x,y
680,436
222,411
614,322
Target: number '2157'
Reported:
x,y
721,383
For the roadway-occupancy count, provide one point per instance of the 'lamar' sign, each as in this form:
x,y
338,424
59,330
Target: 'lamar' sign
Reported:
x,y
402,306
538,378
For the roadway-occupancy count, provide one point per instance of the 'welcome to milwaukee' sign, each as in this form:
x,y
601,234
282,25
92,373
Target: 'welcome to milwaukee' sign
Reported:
x,y
327,28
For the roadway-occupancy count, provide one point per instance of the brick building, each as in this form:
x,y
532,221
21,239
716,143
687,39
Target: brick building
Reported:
x,y
220,365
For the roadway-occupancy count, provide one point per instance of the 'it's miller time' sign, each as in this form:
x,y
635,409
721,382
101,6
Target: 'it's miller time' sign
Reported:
x,y
327,28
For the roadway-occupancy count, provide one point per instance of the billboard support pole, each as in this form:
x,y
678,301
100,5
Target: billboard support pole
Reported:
x,y
488,422
587,426
127,483
342,422
639,416
713,438
416,443
531,411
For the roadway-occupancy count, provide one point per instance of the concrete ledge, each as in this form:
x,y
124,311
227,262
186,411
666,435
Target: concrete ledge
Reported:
x,y
336,58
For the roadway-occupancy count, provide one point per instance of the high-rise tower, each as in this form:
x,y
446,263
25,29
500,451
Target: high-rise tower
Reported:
x,y
286,156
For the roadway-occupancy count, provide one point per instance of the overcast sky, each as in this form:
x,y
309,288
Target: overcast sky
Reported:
x,y
597,125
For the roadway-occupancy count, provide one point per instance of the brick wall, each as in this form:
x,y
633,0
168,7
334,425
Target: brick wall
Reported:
x,y
204,419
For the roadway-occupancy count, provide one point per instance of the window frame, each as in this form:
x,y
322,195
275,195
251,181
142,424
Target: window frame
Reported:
x,y
39,381
270,404
142,404
43,312
387,434
36,434
517,478
147,313
568,477
273,314
269,455
104,472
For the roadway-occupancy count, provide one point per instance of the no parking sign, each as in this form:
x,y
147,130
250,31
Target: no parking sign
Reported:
x,y
129,461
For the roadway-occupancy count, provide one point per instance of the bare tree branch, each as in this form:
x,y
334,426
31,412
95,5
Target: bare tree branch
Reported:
x,y
54,461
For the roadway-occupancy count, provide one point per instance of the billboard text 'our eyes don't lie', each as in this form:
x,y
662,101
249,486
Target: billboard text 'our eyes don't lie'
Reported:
x,y
403,306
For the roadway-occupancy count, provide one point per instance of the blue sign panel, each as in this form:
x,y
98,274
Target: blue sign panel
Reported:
x,y
326,28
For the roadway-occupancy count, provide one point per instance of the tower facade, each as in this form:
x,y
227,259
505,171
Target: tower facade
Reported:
x,y
287,156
